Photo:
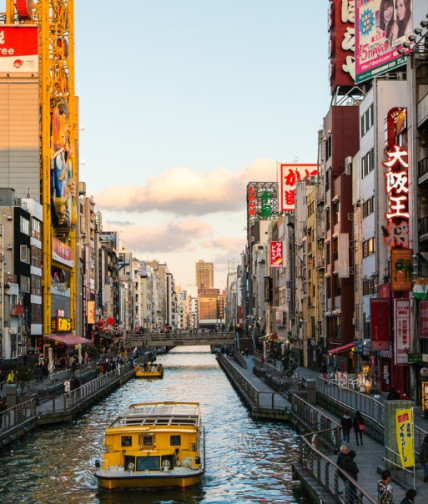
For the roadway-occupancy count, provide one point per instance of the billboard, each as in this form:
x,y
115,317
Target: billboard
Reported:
x,y
402,325
379,311
381,28
342,44
276,254
262,201
19,49
290,175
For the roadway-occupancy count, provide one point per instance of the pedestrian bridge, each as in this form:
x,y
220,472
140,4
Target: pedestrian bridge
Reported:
x,y
181,338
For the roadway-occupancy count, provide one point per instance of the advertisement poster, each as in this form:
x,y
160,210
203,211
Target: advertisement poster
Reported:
x,y
276,254
402,269
404,430
424,405
19,49
378,35
402,325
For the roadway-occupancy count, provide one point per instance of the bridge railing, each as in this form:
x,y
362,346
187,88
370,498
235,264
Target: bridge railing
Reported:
x,y
179,338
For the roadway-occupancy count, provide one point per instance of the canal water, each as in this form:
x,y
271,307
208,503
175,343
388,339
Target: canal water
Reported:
x,y
247,461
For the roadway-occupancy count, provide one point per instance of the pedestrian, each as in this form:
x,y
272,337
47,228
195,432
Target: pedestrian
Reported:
x,y
359,427
351,468
344,450
385,495
11,377
323,370
410,497
346,423
423,457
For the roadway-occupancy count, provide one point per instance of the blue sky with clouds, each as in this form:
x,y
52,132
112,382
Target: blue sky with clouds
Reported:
x,y
183,102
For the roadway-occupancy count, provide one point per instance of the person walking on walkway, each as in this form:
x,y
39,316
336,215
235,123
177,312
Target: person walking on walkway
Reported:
x,y
344,450
385,494
359,427
346,423
351,468
423,457
410,497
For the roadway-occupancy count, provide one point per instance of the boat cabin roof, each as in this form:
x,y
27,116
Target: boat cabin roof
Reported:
x,y
166,413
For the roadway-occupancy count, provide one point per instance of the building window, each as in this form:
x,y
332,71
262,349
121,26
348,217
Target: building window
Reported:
x,y
24,283
368,207
337,286
367,120
368,247
367,163
36,285
24,254
24,226
335,249
336,213
368,287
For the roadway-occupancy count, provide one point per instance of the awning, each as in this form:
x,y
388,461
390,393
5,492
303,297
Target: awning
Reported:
x,y
342,348
68,339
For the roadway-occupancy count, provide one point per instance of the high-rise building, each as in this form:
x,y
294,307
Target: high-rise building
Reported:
x,y
204,275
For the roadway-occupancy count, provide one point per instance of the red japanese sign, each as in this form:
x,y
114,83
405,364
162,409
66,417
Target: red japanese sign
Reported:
x,y
276,254
423,319
342,43
290,176
19,48
379,311
397,189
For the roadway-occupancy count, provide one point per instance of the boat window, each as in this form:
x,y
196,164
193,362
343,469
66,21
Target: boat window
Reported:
x,y
126,440
129,463
146,440
148,463
175,441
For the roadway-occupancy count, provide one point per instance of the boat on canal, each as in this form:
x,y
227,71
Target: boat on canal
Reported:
x,y
148,370
155,444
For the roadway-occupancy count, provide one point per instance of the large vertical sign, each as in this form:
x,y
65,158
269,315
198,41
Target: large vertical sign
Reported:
x,y
380,314
402,325
342,43
19,49
290,175
262,200
402,269
423,319
379,33
404,431
276,254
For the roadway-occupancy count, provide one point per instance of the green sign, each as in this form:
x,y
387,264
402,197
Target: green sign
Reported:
x,y
415,357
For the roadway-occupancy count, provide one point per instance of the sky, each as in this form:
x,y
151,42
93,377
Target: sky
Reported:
x,y
181,104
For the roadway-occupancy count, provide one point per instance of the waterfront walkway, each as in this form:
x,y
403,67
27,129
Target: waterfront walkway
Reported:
x,y
369,456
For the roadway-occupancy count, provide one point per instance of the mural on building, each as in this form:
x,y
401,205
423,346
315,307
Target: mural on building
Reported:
x,y
63,183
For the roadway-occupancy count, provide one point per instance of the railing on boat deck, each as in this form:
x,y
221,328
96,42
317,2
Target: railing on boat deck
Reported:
x,y
18,415
81,394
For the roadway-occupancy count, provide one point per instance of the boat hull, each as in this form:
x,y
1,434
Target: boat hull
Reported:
x,y
111,482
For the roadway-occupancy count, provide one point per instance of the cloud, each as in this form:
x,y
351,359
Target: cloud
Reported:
x,y
185,192
225,243
163,239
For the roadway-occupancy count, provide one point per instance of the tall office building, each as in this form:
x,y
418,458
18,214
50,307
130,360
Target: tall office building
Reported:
x,y
204,275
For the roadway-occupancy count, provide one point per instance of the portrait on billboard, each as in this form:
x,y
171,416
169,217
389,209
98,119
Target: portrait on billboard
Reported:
x,y
381,28
63,183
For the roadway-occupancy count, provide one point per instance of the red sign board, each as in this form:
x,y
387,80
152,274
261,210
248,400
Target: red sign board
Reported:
x,y
19,49
380,314
290,175
402,269
276,254
342,44
423,319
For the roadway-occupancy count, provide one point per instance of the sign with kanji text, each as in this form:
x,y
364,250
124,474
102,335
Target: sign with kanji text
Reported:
x,y
290,176
402,325
404,431
276,254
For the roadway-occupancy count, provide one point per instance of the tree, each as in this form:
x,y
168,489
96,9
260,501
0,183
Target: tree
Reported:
x,y
287,363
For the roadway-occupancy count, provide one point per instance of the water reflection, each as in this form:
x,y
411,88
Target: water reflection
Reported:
x,y
247,461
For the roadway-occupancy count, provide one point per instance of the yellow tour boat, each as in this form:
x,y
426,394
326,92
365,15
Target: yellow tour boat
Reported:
x,y
157,444
148,370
